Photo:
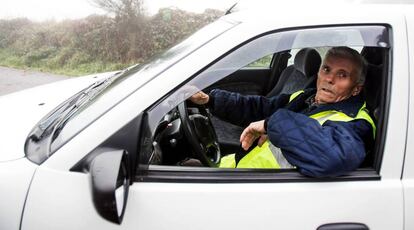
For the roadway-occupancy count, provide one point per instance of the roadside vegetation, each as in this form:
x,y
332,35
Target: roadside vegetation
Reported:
x,y
98,43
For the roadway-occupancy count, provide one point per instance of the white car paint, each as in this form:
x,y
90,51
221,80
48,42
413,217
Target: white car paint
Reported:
x,y
408,173
61,199
16,172
27,107
15,177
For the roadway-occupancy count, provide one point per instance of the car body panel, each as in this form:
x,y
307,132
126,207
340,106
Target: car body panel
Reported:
x,y
395,140
64,190
189,206
15,177
408,175
270,205
380,204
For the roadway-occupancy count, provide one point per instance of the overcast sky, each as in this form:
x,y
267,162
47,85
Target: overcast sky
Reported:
x,y
40,10
69,9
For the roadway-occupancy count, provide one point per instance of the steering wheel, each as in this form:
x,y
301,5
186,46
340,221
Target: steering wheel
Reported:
x,y
200,133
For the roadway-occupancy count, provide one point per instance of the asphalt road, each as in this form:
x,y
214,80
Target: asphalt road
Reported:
x,y
12,80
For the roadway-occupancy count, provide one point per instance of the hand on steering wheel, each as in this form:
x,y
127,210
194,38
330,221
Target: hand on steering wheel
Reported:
x,y
200,134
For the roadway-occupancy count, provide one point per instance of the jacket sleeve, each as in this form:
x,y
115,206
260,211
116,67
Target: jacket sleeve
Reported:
x,y
243,109
327,150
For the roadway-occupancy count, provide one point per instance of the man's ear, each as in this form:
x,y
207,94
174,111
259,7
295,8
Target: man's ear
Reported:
x,y
356,90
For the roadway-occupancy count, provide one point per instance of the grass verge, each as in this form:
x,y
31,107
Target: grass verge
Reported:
x,y
52,63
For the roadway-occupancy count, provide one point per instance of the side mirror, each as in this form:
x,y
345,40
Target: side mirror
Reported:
x,y
110,184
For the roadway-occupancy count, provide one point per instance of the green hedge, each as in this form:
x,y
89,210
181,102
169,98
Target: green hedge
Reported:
x,y
96,43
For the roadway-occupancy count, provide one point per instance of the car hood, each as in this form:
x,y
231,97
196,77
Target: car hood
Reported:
x,y
21,111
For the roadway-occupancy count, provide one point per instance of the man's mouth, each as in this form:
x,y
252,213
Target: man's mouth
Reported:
x,y
327,90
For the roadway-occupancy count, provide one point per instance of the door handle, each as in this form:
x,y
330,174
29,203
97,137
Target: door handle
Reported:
x,y
343,226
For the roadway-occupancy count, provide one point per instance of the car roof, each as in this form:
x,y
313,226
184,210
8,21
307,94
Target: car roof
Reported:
x,y
246,11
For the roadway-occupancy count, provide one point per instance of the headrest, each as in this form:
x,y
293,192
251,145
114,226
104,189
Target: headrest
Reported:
x,y
307,61
373,55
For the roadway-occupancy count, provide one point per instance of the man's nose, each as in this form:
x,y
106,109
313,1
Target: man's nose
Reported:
x,y
330,78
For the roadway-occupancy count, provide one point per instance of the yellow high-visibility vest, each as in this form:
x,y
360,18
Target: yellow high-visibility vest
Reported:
x,y
262,157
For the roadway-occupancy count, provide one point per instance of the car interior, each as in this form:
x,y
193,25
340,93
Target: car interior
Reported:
x,y
191,132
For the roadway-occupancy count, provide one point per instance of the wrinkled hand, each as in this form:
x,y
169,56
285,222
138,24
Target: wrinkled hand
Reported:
x,y
200,98
251,133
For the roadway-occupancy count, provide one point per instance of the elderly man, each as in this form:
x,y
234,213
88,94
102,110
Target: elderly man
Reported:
x,y
322,132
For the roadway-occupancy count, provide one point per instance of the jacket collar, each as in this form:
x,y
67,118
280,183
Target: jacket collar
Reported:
x,y
350,106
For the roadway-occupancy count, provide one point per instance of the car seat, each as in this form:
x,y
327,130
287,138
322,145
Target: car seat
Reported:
x,y
374,78
302,74
373,87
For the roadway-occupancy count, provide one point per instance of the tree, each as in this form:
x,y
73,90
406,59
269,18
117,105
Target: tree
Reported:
x,y
129,23
132,9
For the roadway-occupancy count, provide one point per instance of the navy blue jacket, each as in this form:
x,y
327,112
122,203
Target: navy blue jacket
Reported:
x,y
327,150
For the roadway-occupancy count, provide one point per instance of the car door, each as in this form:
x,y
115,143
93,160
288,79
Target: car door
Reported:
x,y
408,173
177,197
369,198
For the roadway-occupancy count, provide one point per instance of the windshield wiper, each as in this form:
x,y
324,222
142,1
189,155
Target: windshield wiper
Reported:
x,y
55,121
57,118
84,98
230,10
38,145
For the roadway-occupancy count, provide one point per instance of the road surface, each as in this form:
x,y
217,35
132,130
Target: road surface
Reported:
x,y
12,80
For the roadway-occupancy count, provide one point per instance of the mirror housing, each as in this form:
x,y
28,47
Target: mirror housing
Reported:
x,y
110,179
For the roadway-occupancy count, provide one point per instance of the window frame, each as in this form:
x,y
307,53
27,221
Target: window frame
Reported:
x,y
156,173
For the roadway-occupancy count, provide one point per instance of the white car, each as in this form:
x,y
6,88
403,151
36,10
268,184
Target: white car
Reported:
x,y
104,152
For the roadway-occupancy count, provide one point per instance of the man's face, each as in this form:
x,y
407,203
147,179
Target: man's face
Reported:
x,y
337,80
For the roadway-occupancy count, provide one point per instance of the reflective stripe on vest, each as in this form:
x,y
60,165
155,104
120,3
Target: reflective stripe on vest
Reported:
x,y
262,157
259,157
332,115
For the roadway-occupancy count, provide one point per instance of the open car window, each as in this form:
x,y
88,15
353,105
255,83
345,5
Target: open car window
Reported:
x,y
170,144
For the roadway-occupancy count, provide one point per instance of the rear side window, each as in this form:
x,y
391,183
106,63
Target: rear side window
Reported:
x,y
263,62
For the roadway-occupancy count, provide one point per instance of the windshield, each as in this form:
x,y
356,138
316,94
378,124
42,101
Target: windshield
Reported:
x,y
79,111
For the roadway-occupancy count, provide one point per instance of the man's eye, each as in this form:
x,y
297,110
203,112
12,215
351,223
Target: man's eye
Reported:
x,y
325,69
342,75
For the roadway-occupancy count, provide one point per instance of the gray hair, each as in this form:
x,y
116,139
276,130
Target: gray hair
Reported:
x,y
353,56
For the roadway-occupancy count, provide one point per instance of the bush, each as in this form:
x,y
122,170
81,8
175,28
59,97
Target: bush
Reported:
x,y
96,43
37,56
